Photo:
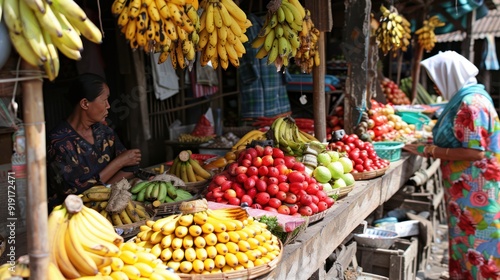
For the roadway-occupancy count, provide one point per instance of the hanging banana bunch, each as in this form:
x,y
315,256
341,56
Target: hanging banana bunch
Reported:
x,y
279,37
222,33
426,36
39,28
169,27
307,55
394,31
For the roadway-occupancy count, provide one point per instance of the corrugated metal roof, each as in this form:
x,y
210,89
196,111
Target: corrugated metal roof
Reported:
x,y
489,24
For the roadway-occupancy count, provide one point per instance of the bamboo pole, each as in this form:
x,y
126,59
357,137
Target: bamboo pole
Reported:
x,y
319,93
37,213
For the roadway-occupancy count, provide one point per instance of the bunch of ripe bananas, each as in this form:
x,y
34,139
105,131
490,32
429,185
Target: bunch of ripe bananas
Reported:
x,y
394,31
279,37
210,241
307,55
167,26
288,137
222,33
188,169
97,198
253,135
38,28
426,35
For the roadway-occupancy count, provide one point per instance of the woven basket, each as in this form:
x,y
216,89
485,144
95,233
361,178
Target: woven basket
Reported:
x,y
170,208
129,230
341,192
249,273
196,187
317,217
370,174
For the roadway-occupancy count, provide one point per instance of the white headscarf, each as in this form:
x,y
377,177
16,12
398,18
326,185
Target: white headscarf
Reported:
x,y
450,72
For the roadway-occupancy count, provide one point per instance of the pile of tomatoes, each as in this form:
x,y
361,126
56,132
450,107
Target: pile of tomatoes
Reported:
x,y
361,153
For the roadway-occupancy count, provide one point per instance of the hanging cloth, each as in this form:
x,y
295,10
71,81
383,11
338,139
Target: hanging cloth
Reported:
x,y
165,79
490,61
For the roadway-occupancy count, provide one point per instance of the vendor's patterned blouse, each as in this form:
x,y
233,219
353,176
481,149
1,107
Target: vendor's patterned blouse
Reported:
x,y
472,193
73,164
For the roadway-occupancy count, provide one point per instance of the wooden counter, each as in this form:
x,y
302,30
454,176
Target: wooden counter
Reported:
x,y
308,253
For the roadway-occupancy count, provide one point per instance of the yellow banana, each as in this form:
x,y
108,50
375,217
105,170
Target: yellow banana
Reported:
x,y
51,66
236,12
101,226
32,31
175,13
24,49
162,7
210,22
154,13
70,9
88,29
70,37
77,255
134,8
118,6
48,21
11,16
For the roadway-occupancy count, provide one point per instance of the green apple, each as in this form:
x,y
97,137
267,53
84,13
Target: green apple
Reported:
x,y
336,169
339,183
334,155
348,179
322,174
347,163
327,187
324,159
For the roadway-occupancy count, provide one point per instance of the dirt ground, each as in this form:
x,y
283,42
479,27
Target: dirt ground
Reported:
x,y
437,266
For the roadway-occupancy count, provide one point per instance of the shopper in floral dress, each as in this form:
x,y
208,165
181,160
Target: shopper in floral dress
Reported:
x,y
467,140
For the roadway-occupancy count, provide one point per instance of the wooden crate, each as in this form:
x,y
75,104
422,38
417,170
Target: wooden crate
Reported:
x,y
397,262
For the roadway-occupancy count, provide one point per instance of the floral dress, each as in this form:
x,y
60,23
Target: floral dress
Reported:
x,y
73,164
472,193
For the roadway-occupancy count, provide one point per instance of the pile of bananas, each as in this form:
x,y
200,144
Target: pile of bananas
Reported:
x,y
158,192
288,137
209,241
38,28
222,33
82,242
97,198
279,37
166,26
394,32
426,35
253,135
307,55
188,169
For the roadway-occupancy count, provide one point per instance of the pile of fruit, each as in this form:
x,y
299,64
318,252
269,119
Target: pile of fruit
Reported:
x,y
158,192
39,29
97,198
361,153
265,178
205,241
288,137
188,169
83,243
393,93
385,125
333,170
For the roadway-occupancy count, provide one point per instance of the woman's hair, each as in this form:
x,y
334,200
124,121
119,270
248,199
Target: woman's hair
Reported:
x,y
88,86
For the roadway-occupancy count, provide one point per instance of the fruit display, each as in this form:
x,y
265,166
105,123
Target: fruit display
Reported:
x,y
288,137
206,241
38,29
307,55
168,27
190,138
394,32
222,33
158,192
360,153
385,125
426,36
188,169
304,124
393,93
253,135
97,198
278,40
265,178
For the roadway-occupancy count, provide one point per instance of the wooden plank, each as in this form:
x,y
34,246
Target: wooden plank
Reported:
x,y
303,257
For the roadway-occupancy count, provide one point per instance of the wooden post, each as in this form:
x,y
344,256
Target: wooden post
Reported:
x,y
415,76
37,213
319,93
468,42
355,48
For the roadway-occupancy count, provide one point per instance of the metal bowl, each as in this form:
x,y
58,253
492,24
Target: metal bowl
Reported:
x,y
376,238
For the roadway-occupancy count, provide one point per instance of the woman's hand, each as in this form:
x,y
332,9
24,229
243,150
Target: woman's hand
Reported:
x,y
129,157
416,149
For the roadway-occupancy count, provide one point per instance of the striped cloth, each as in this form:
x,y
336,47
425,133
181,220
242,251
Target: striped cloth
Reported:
x,y
263,89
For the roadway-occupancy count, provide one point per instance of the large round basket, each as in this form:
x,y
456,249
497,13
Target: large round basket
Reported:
x,y
170,208
370,174
249,273
129,230
197,187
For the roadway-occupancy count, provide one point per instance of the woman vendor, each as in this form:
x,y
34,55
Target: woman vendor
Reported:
x,y
82,150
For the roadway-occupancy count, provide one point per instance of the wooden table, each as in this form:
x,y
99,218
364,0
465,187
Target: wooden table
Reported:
x,y
308,253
